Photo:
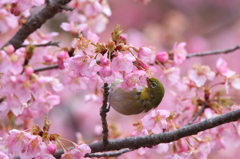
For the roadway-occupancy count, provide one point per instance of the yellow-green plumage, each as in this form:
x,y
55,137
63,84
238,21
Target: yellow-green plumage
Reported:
x,y
135,102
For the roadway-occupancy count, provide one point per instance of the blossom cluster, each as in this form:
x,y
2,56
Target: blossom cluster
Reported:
x,y
27,93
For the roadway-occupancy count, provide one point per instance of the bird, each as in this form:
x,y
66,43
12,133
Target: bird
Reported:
x,y
136,102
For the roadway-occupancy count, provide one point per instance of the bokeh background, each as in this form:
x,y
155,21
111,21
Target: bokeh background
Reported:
x,y
203,25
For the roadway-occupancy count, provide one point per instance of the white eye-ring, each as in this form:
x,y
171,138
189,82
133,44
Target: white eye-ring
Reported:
x,y
154,84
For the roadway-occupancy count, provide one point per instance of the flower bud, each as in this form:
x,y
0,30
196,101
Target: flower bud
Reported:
x,y
162,56
47,58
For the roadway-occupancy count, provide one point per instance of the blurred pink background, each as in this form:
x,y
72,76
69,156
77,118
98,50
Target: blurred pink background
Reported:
x,y
203,25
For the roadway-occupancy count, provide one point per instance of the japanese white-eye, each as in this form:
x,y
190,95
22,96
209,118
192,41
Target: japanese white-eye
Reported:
x,y
135,102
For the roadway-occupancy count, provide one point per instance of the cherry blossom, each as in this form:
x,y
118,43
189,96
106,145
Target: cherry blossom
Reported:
x,y
82,65
222,68
18,141
123,62
179,53
133,80
200,74
156,120
7,20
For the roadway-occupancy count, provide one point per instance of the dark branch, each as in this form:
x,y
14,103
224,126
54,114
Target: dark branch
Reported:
x,y
50,43
103,113
108,154
52,8
45,68
166,137
150,140
199,112
213,52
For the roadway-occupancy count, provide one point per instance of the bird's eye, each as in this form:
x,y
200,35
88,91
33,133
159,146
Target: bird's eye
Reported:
x,y
154,84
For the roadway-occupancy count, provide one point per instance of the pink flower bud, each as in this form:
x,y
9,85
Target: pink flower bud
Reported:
x,y
162,56
51,148
144,51
29,71
62,55
9,49
47,58
104,61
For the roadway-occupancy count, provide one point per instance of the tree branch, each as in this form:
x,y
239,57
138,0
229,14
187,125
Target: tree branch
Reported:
x,y
45,68
103,113
214,52
50,43
166,137
108,154
52,7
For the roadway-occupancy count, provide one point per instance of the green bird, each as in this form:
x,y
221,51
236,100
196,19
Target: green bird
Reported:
x,y
135,102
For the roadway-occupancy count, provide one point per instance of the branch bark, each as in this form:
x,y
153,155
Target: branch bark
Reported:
x,y
214,52
166,137
52,8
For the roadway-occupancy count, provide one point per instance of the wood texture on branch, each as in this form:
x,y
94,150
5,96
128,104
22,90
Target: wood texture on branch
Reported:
x,y
52,8
166,137
214,52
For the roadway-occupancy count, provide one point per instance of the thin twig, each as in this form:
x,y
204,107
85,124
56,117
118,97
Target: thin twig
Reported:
x,y
50,43
108,154
213,52
51,9
199,112
103,113
45,68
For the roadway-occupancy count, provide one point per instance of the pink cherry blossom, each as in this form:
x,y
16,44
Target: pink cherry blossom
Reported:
x,y
18,141
222,68
35,147
4,62
133,80
162,56
45,156
77,152
171,76
44,104
19,85
107,74
179,53
24,5
161,148
62,56
233,81
84,148
3,155
7,20
123,62
144,53
200,74
54,82
200,152
82,65
92,8
92,36
156,120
